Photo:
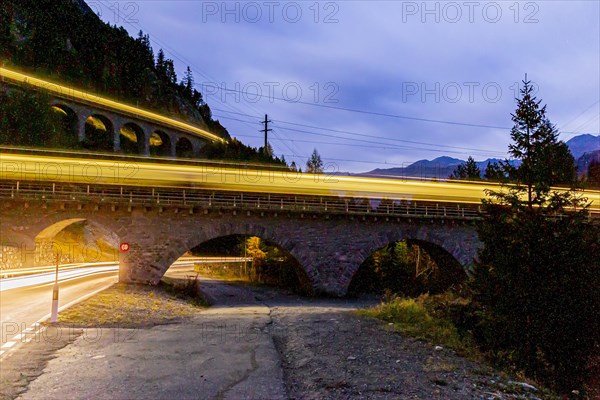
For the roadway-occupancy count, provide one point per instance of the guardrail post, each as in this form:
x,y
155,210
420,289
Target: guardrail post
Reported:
x,y
130,197
184,201
54,188
426,212
17,186
121,191
282,203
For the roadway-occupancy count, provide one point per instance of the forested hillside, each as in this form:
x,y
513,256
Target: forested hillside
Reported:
x,y
66,41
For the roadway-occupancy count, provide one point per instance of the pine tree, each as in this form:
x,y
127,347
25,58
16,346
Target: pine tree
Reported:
x,y
314,165
545,161
537,276
467,171
161,68
188,82
593,174
494,172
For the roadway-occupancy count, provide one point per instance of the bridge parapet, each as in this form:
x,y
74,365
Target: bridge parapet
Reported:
x,y
197,200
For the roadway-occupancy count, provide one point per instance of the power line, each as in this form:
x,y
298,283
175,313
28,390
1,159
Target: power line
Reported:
x,y
382,146
365,135
366,112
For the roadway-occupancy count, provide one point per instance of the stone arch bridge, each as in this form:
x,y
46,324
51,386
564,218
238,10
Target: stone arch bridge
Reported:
x,y
329,239
104,124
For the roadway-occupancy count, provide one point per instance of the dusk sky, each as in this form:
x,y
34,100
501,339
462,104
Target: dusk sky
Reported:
x,y
344,76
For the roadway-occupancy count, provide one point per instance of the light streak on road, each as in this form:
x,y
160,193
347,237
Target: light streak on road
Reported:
x,y
24,167
70,93
48,278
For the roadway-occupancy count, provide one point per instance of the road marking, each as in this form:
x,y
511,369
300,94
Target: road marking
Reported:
x,y
32,332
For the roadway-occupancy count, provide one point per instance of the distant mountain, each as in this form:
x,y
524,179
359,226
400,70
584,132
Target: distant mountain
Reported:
x,y
440,168
579,145
583,148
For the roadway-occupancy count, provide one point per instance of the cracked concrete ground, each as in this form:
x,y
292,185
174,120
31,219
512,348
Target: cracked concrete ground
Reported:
x,y
226,352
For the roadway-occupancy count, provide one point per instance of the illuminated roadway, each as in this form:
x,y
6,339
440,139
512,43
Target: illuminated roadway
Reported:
x,y
234,178
26,300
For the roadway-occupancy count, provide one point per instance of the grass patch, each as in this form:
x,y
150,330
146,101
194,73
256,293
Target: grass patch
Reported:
x,y
430,318
412,317
127,305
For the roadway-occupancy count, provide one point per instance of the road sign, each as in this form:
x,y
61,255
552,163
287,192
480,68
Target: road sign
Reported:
x,y
124,247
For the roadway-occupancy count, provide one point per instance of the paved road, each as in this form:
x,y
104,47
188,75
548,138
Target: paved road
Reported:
x,y
24,301
226,352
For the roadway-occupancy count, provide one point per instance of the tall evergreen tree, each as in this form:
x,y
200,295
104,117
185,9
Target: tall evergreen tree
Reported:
x,y
467,171
537,275
593,174
493,172
188,82
314,165
545,161
161,68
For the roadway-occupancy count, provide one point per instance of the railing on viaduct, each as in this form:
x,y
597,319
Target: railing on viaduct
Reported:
x,y
197,200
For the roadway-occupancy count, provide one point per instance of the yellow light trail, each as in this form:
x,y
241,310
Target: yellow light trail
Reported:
x,y
229,178
78,95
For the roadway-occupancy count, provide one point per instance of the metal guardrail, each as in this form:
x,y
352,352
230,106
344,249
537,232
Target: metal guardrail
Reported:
x,y
198,198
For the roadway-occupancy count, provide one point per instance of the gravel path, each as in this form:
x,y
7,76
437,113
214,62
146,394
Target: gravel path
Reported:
x,y
328,352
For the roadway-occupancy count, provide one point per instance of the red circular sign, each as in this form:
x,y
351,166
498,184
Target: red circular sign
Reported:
x,y
124,247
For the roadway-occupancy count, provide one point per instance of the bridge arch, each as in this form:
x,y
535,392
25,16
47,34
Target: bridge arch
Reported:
x,y
69,118
454,250
184,147
44,235
177,248
99,133
132,138
160,144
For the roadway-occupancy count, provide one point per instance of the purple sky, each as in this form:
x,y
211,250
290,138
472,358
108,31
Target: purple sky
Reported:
x,y
457,62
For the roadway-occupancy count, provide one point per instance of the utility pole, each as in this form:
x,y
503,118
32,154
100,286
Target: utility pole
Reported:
x,y
266,130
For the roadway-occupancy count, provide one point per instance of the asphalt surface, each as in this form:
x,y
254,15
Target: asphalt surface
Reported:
x,y
24,301
226,352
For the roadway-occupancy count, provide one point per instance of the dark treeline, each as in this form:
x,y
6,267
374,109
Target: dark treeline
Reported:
x,y
65,40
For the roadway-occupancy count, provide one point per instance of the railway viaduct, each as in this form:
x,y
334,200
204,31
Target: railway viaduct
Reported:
x,y
330,244
102,124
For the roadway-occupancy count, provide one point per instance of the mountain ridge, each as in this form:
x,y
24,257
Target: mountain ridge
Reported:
x,y
583,147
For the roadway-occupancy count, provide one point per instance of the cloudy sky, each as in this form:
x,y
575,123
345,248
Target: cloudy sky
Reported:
x,y
379,84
